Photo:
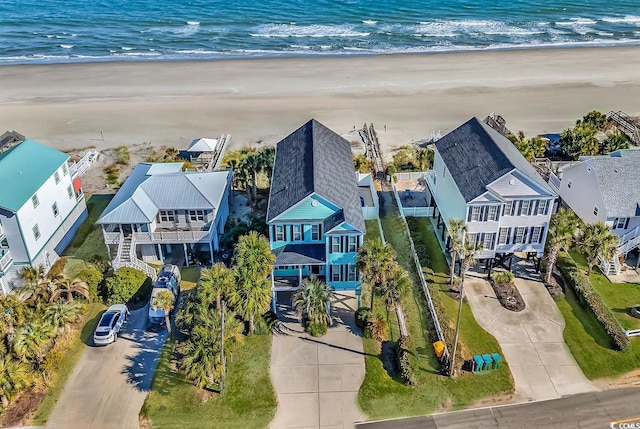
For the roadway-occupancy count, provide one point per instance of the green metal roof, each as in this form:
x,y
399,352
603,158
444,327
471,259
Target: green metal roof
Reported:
x,y
23,170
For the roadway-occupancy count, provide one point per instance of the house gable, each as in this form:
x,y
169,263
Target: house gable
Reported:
x,y
517,184
313,207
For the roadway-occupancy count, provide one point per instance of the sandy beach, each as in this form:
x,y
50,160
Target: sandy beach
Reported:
x,y
259,101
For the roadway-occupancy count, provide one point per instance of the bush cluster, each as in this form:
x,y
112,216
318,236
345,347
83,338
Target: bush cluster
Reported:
x,y
404,362
92,277
124,284
362,317
376,328
57,269
590,298
316,329
503,277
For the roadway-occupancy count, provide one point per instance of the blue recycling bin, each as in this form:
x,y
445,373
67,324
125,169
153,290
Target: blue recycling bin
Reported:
x,y
478,363
488,361
496,360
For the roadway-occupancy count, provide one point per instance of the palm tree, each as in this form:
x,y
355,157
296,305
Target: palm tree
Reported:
x,y
267,158
616,141
14,375
311,301
252,296
394,288
67,287
164,301
62,314
455,231
253,254
376,262
13,314
250,165
597,241
424,156
33,340
216,282
32,277
562,231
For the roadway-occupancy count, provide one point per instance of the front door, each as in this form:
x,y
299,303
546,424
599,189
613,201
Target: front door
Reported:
x,y
126,229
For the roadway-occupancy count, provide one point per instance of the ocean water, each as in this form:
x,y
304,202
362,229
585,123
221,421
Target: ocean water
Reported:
x,y
56,31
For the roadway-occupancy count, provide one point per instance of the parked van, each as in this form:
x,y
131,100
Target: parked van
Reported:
x,y
169,279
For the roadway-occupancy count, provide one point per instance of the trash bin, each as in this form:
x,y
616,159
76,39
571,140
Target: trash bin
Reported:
x,y
438,347
478,363
487,361
496,360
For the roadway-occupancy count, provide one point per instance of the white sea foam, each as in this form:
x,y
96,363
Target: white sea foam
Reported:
x,y
126,48
471,27
369,22
604,33
315,31
576,21
629,19
193,22
66,46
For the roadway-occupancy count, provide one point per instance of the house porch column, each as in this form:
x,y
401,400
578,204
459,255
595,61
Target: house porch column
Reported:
x,y
186,256
274,295
160,252
299,275
211,252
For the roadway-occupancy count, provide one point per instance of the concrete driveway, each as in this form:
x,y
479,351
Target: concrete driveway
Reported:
x,y
109,384
317,379
532,341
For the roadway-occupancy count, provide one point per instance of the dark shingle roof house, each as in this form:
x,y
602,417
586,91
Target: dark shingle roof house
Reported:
x,y
314,159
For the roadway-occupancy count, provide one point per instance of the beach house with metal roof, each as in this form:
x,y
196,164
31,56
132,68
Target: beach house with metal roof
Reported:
x,y
315,211
41,208
161,210
607,189
480,176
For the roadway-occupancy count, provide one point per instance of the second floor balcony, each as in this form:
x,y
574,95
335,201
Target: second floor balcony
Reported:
x,y
160,235
5,259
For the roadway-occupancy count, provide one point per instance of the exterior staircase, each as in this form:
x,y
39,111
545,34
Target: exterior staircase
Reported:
x,y
126,257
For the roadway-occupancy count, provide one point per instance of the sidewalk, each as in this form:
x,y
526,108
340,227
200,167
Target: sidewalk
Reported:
x,y
531,340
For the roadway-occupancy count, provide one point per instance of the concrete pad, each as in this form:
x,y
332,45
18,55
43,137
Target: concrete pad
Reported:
x,y
540,383
340,378
295,379
335,410
508,331
541,330
554,354
296,410
522,354
569,380
289,350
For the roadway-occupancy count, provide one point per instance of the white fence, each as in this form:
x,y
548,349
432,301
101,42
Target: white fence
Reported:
x,y
414,175
417,211
632,333
78,168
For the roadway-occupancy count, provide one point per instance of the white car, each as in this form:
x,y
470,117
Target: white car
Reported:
x,y
110,324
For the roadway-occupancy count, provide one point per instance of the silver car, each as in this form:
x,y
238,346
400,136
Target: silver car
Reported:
x,y
110,324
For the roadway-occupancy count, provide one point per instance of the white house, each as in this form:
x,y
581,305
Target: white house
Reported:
x,y
41,208
607,189
161,209
481,177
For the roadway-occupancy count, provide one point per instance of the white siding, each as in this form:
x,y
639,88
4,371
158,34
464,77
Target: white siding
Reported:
x,y
448,198
11,232
584,194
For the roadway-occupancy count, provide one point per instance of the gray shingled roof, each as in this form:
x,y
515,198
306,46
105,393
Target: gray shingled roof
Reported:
x,y
300,254
315,159
619,182
477,155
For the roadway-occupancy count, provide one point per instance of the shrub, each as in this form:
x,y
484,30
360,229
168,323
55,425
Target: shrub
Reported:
x,y
93,277
391,170
590,298
264,324
112,174
124,284
123,155
503,277
376,328
57,269
404,361
316,329
362,316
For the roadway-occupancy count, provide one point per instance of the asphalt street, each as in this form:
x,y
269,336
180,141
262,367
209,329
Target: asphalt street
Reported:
x,y
618,408
109,384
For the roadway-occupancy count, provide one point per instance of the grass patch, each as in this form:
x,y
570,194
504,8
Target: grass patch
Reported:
x,y
381,396
248,401
88,244
190,277
619,297
71,358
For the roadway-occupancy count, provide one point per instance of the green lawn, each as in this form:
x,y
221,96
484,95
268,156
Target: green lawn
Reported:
x,y
59,380
589,342
381,396
248,401
190,277
619,297
88,244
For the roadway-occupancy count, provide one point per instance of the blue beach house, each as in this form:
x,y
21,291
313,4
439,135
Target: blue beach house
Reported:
x,y
315,211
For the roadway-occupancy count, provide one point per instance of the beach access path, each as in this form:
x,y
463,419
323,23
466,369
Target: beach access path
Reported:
x,y
531,340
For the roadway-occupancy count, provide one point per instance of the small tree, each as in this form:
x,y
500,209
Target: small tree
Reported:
x,y
580,140
376,262
455,231
311,301
597,241
252,296
67,287
216,282
164,301
14,376
562,232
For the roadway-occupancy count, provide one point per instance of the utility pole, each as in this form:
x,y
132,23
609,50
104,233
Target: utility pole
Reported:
x,y
455,339
222,359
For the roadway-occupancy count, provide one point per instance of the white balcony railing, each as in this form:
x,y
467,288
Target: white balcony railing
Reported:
x,y
159,237
1,232
5,259
629,241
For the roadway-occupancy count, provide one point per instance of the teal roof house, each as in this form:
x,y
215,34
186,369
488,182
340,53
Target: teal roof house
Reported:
x,y
315,212
163,212
41,208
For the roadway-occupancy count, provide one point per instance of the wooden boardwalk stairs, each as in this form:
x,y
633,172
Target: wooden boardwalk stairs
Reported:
x,y
629,125
498,123
372,151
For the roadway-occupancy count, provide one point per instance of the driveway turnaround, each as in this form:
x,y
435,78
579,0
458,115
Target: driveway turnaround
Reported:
x,y
531,340
317,379
109,384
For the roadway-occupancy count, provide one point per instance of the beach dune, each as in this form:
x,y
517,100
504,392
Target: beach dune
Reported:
x,y
259,101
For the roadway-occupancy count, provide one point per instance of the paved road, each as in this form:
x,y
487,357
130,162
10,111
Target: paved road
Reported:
x,y
531,340
109,384
317,379
588,410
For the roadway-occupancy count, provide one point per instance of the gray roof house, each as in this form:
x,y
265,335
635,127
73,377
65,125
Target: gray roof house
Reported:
x,y
480,176
161,211
607,189
315,211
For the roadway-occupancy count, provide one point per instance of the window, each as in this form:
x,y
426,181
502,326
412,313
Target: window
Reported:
x,y
56,177
475,214
36,231
508,208
488,241
472,237
353,244
335,244
196,215
595,211
524,207
335,273
503,236
351,273
279,232
70,191
35,201
519,235
54,207
620,223
64,169
542,207
536,235
297,233
315,232
493,212
167,216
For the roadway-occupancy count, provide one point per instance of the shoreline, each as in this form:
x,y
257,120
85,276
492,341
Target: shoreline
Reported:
x,y
259,100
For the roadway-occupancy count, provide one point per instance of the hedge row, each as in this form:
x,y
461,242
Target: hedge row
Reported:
x,y
404,361
591,299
